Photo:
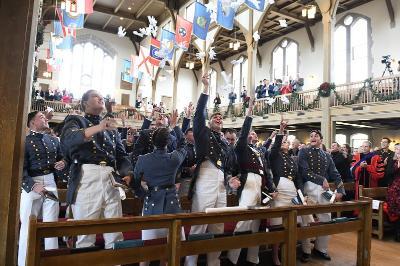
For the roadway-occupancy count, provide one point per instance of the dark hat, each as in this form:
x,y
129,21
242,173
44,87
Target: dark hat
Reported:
x,y
31,115
316,131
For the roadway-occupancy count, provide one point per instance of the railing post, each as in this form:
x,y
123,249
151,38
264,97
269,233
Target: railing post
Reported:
x,y
290,244
364,236
33,245
174,243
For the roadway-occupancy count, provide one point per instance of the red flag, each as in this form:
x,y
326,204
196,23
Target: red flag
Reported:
x,y
143,58
183,32
85,6
154,52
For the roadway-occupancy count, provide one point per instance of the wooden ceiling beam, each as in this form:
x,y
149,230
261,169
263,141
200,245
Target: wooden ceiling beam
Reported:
x,y
287,15
143,8
116,9
391,13
107,22
121,14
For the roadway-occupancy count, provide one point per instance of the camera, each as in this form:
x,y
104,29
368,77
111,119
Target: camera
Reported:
x,y
386,60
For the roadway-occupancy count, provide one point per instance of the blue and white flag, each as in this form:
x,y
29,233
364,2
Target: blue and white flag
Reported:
x,y
66,43
225,15
167,44
255,4
201,21
58,30
74,21
126,74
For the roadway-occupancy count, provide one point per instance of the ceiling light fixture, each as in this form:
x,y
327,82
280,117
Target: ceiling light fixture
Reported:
x,y
283,23
309,11
121,18
129,8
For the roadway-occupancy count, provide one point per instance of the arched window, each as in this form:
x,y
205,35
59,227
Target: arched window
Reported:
x,y
352,49
87,66
357,139
285,60
239,75
341,139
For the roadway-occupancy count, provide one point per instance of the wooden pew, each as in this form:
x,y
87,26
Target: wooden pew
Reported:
x,y
377,193
175,248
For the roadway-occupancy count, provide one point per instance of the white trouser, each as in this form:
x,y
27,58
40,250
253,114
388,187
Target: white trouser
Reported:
x,y
314,192
96,198
209,192
286,192
251,195
31,204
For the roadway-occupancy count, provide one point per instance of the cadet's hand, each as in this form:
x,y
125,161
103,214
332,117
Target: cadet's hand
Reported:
x,y
177,186
205,82
108,124
325,184
234,182
282,126
39,188
273,134
385,162
338,197
193,168
363,164
189,110
274,194
127,179
174,118
251,107
59,165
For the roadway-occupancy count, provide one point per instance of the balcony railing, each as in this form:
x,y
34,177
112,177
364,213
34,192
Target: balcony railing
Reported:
x,y
354,93
384,89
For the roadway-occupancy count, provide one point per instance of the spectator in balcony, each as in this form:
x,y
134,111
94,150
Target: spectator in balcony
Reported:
x,y
57,95
217,102
286,88
386,155
232,97
342,164
264,88
258,91
367,167
66,98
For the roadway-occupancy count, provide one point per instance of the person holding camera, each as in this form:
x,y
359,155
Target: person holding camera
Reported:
x,y
42,160
316,167
97,155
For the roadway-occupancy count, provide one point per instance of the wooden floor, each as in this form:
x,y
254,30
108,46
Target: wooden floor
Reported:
x,y
343,248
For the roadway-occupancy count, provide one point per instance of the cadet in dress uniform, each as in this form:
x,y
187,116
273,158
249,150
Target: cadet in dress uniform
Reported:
x,y
212,171
316,167
254,177
158,169
144,143
188,165
42,158
96,151
285,176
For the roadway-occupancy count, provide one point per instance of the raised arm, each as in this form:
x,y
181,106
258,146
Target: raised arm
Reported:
x,y
244,133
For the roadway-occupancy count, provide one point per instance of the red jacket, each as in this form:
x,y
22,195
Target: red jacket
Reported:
x,y
375,171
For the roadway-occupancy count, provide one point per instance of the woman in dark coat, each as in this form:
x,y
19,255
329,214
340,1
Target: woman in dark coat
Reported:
x,y
393,194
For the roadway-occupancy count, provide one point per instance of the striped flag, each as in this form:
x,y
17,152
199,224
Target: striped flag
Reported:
x,y
84,6
143,61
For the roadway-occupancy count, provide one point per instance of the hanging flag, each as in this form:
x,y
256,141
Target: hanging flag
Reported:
x,y
126,75
167,44
73,7
201,21
255,4
58,29
72,21
66,43
143,61
134,71
155,57
225,15
183,32
84,6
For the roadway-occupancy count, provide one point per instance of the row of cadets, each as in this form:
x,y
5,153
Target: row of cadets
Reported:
x,y
213,170
96,151
42,161
254,177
